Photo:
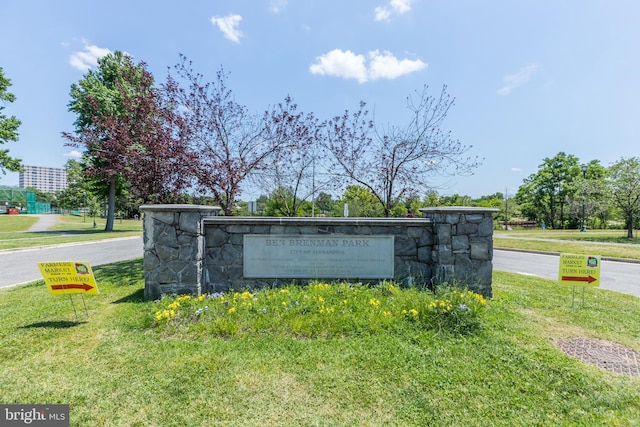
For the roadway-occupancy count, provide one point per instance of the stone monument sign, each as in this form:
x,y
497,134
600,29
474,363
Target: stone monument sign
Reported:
x,y
190,249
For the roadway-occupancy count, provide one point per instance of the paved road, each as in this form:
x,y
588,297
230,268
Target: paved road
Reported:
x,y
21,266
615,276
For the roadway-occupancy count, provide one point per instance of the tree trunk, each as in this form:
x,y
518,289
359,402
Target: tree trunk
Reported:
x,y
111,205
630,227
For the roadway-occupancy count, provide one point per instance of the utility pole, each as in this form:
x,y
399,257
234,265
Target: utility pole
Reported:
x,y
584,195
506,206
313,186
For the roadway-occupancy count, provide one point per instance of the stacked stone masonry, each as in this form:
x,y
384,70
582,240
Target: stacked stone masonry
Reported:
x,y
190,249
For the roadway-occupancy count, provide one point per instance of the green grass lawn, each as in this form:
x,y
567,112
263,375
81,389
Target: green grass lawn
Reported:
x,y
602,242
69,229
120,367
612,236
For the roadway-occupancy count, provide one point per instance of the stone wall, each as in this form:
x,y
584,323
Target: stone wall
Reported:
x,y
189,249
463,245
173,241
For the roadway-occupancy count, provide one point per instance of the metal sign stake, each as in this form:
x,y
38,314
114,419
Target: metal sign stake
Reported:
x,y
74,306
87,312
573,296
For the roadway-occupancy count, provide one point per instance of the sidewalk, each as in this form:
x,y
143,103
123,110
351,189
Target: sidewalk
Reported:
x,y
44,223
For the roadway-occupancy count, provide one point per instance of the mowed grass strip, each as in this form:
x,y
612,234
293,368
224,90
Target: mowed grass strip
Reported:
x,y
607,243
12,223
68,229
116,368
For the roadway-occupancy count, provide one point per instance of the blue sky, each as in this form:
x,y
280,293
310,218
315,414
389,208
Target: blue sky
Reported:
x,y
530,77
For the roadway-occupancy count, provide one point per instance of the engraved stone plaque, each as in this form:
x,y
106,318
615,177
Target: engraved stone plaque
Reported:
x,y
269,256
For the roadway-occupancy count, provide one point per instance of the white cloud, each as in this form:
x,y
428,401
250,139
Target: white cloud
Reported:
x,y
395,8
385,65
277,5
514,169
382,13
338,63
401,6
229,26
513,81
348,65
85,59
73,153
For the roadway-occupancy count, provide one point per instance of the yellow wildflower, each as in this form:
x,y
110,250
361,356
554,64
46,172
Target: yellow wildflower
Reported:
x,y
480,298
414,312
321,286
325,310
231,310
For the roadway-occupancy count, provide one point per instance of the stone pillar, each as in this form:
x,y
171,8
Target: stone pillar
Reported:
x,y
463,246
174,248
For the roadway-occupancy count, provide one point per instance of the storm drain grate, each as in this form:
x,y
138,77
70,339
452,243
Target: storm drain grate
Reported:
x,y
603,354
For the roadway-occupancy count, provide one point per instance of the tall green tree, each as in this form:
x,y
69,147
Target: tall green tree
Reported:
x,y
8,127
544,195
324,203
431,199
590,194
97,96
361,203
284,202
456,200
623,184
78,193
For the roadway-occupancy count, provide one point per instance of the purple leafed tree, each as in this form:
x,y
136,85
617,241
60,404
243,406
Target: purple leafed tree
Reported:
x,y
231,143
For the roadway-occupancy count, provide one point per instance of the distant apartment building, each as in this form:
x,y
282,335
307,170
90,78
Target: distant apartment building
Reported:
x,y
45,179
